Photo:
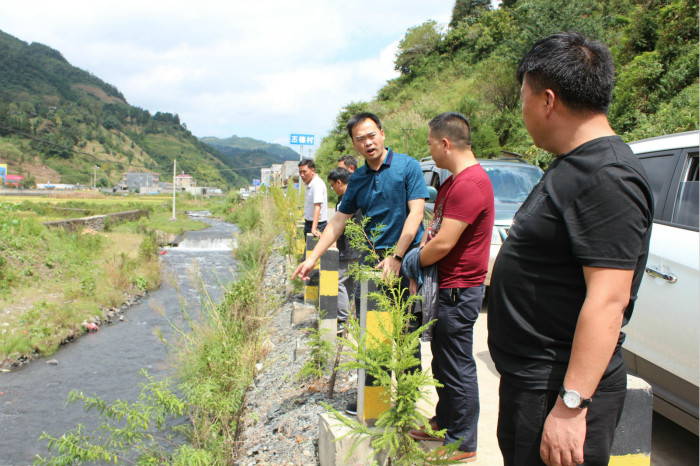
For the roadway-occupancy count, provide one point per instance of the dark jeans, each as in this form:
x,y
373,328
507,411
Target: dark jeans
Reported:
x,y
309,223
454,367
521,416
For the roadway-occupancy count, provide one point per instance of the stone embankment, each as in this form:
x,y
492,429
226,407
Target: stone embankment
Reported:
x,y
282,413
97,222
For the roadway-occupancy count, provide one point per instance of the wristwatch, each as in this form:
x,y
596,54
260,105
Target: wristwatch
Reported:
x,y
573,399
397,257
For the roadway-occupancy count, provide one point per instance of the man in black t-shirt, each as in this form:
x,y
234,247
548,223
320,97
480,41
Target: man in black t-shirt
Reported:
x,y
567,276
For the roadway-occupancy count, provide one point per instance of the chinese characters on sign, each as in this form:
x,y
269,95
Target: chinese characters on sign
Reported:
x,y
303,139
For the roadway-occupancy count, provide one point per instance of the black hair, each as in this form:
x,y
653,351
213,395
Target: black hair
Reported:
x,y
308,162
339,173
359,118
349,161
578,70
454,126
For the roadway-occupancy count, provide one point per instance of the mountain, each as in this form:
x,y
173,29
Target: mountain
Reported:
x,y
249,152
58,122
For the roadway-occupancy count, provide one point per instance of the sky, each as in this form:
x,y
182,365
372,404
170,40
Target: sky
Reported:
x,y
264,69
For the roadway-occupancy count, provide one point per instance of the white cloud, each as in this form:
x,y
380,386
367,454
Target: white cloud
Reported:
x,y
259,68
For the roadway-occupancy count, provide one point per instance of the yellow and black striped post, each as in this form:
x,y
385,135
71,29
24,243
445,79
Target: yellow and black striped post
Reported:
x,y
632,443
328,291
372,400
311,287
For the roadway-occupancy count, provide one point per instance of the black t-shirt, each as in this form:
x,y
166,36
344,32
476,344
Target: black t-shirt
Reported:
x,y
593,207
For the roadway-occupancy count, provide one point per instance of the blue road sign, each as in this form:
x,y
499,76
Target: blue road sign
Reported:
x,y
302,139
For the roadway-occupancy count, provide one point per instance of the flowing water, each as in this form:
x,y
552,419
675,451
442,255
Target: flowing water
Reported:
x,y
107,363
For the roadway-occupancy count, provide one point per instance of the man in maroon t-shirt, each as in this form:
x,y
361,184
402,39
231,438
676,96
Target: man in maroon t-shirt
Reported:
x,y
458,240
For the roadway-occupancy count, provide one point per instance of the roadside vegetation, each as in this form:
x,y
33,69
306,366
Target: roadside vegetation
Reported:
x,y
470,67
54,282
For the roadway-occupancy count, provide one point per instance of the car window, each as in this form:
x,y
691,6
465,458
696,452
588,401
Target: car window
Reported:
x,y
431,179
685,207
512,184
659,168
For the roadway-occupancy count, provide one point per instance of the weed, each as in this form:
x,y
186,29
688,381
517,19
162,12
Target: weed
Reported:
x,y
321,352
141,283
387,356
148,249
139,429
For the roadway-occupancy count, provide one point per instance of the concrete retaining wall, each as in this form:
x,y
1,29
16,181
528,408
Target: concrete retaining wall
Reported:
x,y
97,222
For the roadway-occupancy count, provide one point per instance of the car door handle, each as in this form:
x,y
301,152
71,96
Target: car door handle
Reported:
x,y
659,274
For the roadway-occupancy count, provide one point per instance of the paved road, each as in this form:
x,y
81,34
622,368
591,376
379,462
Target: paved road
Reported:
x,y
671,444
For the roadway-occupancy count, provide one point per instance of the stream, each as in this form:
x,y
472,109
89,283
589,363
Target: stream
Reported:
x,y
108,363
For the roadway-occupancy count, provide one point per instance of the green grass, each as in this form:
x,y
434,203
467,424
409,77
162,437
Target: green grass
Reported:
x,y
52,280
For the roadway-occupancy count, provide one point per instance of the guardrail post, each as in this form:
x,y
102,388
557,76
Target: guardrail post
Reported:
x,y
328,292
372,400
311,287
632,442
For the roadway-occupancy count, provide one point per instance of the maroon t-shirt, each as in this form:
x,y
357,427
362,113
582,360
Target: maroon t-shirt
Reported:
x,y
468,197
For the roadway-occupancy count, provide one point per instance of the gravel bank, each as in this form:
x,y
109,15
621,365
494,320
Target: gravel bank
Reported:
x,y
281,420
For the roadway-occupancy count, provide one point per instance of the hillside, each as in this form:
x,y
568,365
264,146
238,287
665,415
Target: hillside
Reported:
x,y
249,152
57,122
470,67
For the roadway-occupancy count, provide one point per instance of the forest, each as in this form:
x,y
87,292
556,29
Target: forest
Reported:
x,y
469,66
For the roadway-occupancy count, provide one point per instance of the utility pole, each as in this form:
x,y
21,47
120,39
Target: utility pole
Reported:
x,y
174,179
94,176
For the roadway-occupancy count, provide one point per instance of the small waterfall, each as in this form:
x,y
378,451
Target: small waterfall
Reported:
x,y
209,244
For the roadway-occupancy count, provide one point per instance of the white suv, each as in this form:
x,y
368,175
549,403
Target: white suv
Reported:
x,y
662,336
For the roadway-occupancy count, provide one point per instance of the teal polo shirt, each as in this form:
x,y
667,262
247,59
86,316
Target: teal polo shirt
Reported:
x,y
383,195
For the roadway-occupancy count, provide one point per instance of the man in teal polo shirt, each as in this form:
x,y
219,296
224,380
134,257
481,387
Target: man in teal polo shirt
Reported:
x,y
389,188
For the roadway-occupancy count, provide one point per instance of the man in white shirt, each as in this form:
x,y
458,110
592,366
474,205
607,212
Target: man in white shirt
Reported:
x,y
316,199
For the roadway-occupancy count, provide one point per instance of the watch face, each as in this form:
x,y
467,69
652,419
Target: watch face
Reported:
x,y
572,399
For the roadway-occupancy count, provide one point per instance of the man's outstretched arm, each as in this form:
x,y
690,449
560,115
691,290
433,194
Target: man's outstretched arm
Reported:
x,y
334,229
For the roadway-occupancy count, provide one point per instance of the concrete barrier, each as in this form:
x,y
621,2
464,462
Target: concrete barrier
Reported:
x,y
335,445
97,222
632,443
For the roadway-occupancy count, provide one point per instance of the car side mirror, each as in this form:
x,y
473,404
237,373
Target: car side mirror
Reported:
x,y
432,193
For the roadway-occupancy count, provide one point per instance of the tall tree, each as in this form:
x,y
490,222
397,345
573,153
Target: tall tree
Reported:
x,y
418,42
468,9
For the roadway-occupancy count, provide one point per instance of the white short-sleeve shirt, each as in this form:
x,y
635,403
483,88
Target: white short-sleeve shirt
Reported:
x,y
316,193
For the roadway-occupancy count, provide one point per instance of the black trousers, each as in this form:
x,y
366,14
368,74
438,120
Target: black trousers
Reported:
x,y
521,416
309,223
